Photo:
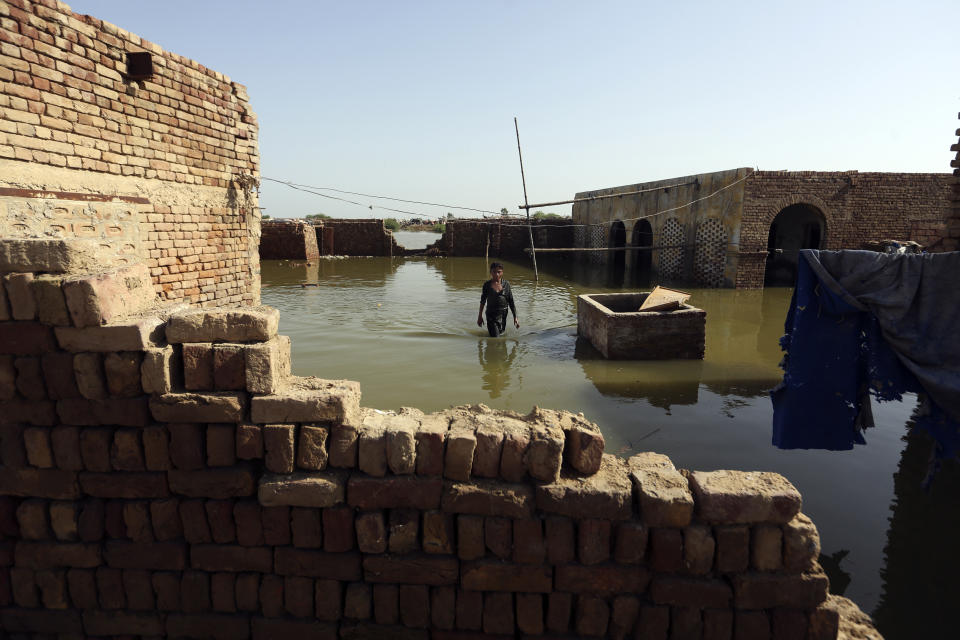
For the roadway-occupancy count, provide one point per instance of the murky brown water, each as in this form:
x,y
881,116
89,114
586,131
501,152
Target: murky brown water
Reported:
x,y
406,329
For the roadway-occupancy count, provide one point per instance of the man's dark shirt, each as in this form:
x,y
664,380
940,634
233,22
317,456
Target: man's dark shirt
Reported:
x,y
498,301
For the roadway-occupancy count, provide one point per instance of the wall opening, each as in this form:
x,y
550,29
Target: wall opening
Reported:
x,y
642,260
618,259
799,226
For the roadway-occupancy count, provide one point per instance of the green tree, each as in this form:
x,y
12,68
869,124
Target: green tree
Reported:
x,y
540,215
504,212
318,216
439,227
392,224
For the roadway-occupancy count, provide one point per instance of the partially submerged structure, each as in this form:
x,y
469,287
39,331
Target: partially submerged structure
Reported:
x,y
743,228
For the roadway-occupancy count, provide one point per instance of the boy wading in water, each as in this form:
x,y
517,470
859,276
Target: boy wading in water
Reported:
x,y
498,298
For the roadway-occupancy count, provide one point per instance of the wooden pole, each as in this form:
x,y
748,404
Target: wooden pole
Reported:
x,y
526,203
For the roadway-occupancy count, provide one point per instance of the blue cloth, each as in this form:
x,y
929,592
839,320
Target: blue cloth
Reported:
x,y
863,323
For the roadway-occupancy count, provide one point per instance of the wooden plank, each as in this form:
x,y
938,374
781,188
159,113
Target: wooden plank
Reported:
x,y
663,299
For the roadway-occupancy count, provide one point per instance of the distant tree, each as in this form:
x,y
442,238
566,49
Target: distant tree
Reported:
x,y
540,215
449,216
392,224
439,227
318,216
504,212
264,217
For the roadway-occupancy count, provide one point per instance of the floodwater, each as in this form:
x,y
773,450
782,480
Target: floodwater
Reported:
x,y
406,330
416,239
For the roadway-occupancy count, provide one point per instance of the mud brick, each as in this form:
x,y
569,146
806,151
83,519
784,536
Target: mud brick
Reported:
x,y
194,592
88,372
469,610
461,443
58,376
312,447
136,518
491,575
718,624
271,596
170,556
338,531
415,606
267,365
26,338
36,441
498,613
593,541
545,451
8,376
110,588
583,449
823,623
220,517
735,497
122,370
220,406
51,304
372,446
8,520
193,515
24,588
529,546
82,586
653,622
305,526
276,525
68,624
486,455
289,561
166,586
247,589
229,367
357,601
530,613
267,629
685,622
222,557
298,596
666,550
788,624
221,448
560,540
605,495
218,626
303,489
443,607
691,592
198,366
53,588
126,453
386,607
33,520
733,548
411,492
751,624
630,542
95,448
127,484
161,370
411,569
498,536
768,591
246,513
698,549
767,548
591,616
801,544
470,545
186,446
401,444
343,446
90,525
63,520
662,492
30,382
224,482
41,414
371,532
278,442
165,517
113,523
13,455
65,442
156,448
430,437
139,590
328,600
120,623
52,555
403,529
249,441
20,295
41,483
487,497
602,579
438,532
623,617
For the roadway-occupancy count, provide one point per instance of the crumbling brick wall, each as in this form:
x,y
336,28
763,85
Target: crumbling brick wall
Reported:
x,y
503,239
288,240
158,168
162,474
367,237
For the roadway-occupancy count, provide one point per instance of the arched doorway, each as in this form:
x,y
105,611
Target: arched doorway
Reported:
x,y
799,226
617,262
642,260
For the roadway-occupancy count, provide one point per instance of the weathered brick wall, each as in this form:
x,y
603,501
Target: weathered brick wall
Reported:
x,y
163,475
288,240
356,238
507,239
858,208
952,242
158,170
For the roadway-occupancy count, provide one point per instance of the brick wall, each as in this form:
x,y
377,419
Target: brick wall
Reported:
x,y
858,208
953,222
507,239
162,474
356,238
159,169
288,240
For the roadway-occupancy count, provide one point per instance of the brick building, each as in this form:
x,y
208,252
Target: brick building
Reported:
x,y
129,151
743,228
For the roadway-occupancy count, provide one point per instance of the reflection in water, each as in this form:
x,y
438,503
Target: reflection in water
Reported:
x,y
496,356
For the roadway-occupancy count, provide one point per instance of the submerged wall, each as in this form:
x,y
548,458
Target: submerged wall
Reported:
x,y
288,240
502,238
156,166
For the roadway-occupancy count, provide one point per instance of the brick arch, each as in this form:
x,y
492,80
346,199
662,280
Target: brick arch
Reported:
x,y
770,211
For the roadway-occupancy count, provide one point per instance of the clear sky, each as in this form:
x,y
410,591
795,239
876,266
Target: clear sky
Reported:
x,y
416,99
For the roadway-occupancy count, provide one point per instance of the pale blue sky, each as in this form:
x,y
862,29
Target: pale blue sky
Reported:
x,y
417,99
